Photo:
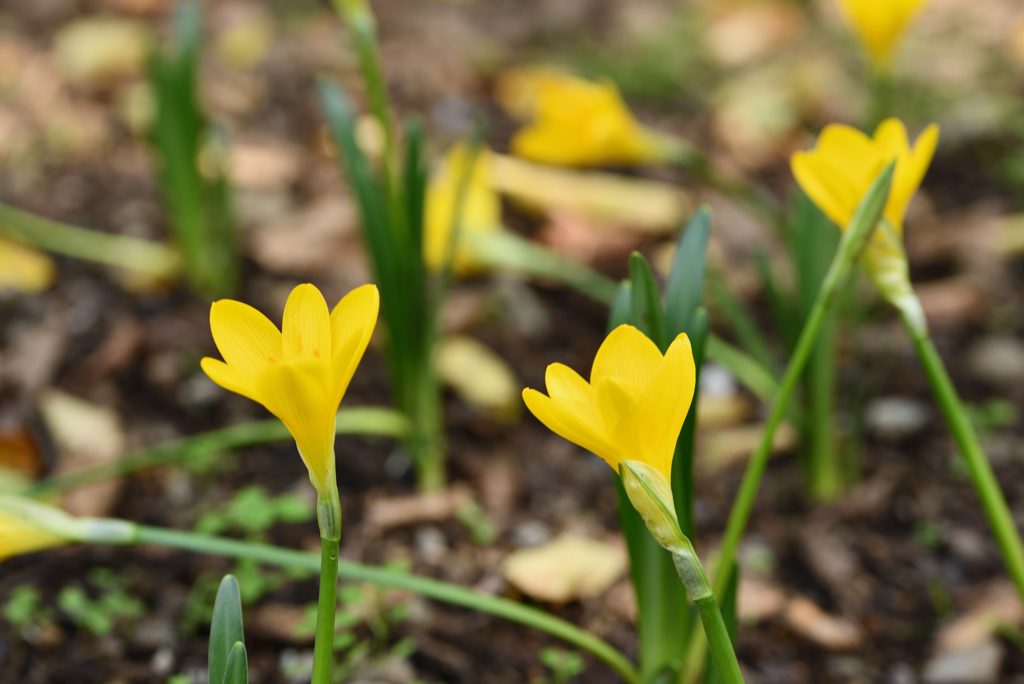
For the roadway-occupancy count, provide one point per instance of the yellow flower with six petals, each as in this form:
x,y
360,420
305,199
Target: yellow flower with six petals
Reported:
x,y
634,405
481,208
837,174
299,373
576,122
881,23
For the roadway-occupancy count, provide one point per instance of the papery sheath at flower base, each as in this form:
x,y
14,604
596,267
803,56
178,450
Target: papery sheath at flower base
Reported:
x,y
480,210
880,24
575,122
299,373
630,412
837,174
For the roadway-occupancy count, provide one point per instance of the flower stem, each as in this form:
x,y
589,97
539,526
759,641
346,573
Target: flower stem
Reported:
x,y
855,239
328,513
323,651
1000,519
691,572
397,579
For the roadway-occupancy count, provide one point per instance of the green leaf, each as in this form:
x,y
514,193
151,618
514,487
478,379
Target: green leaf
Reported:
x,y
622,306
237,670
225,629
684,291
683,491
647,313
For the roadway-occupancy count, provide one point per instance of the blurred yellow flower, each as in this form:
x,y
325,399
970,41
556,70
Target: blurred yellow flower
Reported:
x,y
301,375
18,537
481,208
24,269
576,122
633,407
881,23
838,172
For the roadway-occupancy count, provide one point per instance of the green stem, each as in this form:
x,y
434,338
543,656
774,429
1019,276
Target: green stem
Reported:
x,y
824,472
363,420
854,240
429,588
691,573
323,650
362,25
153,258
1000,519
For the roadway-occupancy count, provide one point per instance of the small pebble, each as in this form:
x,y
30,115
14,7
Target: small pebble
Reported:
x,y
998,360
895,418
901,673
531,533
431,545
978,664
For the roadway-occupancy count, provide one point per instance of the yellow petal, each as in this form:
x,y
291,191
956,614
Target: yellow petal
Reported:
x,y
246,338
627,354
230,377
25,269
566,423
617,403
352,323
826,185
18,538
297,392
664,406
566,387
910,171
306,329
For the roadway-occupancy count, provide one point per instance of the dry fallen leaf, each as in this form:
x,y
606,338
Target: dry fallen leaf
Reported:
x,y
999,605
318,239
407,510
952,301
265,165
565,569
758,600
723,448
748,31
827,631
582,240
642,205
85,434
246,43
720,412
479,376
94,50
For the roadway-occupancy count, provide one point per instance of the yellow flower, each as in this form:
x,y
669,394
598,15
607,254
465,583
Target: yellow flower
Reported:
x,y
837,174
633,407
301,375
481,208
18,537
881,23
576,122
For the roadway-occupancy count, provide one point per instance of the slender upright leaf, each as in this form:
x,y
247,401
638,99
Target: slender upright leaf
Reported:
x,y
684,292
226,628
237,671
647,313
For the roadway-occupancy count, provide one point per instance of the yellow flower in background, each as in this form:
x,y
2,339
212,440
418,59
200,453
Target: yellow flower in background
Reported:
x,y
837,174
881,23
18,537
481,207
840,169
576,122
299,375
25,269
633,407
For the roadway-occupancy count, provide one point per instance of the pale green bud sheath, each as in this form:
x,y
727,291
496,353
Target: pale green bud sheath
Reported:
x,y
651,494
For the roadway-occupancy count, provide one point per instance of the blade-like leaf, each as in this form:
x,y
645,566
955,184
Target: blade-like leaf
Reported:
x,y
237,671
682,462
646,306
684,291
622,306
225,629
